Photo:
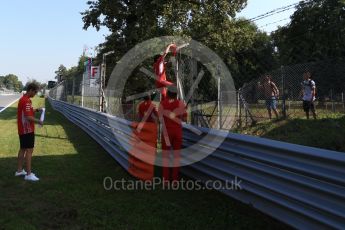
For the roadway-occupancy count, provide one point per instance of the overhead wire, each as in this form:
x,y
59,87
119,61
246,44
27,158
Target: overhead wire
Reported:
x,y
278,10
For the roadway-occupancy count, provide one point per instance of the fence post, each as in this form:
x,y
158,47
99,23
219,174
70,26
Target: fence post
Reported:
x,y
66,90
82,90
283,91
246,118
342,100
332,99
73,90
239,108
219,120
101,96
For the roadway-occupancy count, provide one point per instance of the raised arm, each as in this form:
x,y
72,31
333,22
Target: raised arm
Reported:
x,y
168,49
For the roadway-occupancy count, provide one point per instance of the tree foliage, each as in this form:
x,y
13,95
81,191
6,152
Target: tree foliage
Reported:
x,y
316,32
61,73
247,51
73,72
11,82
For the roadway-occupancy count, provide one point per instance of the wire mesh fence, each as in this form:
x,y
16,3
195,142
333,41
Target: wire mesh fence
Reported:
x,y
330,89
211,99
199,88
209,103
79,90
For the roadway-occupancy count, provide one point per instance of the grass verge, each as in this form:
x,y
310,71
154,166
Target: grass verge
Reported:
x,y
327,132
70,194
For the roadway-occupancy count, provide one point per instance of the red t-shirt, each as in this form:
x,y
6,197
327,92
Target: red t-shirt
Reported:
x,y
173,112
24,110
144,108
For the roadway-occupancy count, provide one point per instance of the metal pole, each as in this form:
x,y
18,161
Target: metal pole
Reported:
x,y
73,90
82,90
246,117
194,74
102,82
333,107
240,108
101,85
219,120
66,90
178,80
283,92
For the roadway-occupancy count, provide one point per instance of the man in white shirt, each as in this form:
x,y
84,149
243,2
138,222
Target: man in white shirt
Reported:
x,y
309,93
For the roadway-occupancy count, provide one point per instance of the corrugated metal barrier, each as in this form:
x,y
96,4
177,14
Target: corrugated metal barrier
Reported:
x,y
301,186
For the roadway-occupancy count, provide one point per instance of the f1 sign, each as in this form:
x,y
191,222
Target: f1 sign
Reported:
x,y
95,72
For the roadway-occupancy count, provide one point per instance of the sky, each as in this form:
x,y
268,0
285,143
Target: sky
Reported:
x,y
37,36
259,7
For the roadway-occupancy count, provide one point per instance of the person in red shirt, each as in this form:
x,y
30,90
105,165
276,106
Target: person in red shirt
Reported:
x,y
159,69
147,111
171,114
26,131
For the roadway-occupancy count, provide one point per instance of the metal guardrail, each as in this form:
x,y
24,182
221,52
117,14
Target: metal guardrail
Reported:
x,y
8,94
301,186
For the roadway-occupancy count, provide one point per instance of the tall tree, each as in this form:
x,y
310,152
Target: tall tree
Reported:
x,y
12,82
247,51
61,73
316,32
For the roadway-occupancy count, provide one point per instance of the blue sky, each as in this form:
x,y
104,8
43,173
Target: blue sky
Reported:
x,y
258,7
37,36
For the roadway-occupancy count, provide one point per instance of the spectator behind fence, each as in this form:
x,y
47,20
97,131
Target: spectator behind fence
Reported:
x,y
271,94
309,93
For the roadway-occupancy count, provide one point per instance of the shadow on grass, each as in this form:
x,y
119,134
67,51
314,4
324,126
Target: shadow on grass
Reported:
x,y
327,133
71,194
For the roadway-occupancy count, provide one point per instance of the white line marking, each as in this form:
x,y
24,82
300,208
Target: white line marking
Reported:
x,y
9,104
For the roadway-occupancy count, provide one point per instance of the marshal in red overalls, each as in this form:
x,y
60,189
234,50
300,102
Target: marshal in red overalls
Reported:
x,y
159,69
171,112
144,142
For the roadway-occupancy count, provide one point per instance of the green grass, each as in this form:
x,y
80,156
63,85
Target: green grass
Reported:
x,y
70,194
327,132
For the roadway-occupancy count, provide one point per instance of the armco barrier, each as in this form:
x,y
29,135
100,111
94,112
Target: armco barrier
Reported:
x,y
301,186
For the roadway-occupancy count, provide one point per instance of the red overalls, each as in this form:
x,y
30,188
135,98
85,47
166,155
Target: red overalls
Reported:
x,y
171,112
142,154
